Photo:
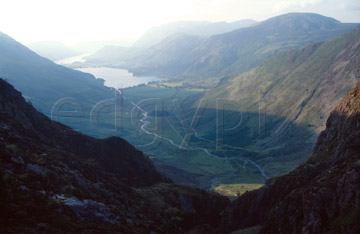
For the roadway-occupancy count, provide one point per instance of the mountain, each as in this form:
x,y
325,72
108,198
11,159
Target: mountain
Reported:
x,y
291,95
57,51
279,109
159,39
48,85
168,55
301,84
108,54
128,164
56,180
201,28
320,196
170,50
237,51
88,47
53,50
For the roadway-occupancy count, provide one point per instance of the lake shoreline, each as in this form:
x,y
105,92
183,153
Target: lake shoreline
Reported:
x,y
118,78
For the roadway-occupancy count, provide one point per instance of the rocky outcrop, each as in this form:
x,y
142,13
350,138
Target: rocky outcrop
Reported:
x,y
320,196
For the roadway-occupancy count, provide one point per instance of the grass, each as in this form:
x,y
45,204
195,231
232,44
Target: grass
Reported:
x,y
194,167
235,190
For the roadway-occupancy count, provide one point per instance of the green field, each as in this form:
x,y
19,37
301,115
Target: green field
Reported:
x,y
235,190
196,159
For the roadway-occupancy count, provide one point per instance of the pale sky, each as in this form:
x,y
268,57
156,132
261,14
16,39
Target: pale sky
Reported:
x,y
72,21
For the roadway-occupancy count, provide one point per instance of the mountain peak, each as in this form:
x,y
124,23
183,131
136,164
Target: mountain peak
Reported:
x,y
296,20
304,15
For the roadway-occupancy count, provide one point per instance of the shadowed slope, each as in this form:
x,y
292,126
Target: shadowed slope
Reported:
x,y
321,196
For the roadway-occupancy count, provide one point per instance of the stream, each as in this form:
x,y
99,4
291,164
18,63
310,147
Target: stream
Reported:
x,y
145,122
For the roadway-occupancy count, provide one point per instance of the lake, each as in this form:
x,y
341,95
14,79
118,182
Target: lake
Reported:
x,y
118,78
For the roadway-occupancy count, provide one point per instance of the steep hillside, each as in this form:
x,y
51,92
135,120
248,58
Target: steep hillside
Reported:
x,y
168,55
129,163
295,88
240,50
320,196
302,84
45,82
56,180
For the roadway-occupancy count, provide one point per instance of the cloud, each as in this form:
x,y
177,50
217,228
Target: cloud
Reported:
x,y
284,5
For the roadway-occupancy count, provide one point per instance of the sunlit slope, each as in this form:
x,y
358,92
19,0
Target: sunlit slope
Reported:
x,y
302,85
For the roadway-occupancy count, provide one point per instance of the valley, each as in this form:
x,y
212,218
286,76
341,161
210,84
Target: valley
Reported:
x,y
197,126
214,137
216,130
182,141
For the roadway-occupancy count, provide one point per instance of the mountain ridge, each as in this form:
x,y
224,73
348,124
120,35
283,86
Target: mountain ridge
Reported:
x,y
309,74
200,28
234,52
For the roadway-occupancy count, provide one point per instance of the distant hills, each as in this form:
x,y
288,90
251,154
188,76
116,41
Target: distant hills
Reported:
x,y
93,46
200,28
53,50
228,54
155,38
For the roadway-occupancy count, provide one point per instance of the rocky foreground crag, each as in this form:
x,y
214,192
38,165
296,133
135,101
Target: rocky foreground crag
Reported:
x,y
320,196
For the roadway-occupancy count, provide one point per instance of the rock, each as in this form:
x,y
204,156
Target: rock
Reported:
x,y
23,187
42,225
186,203
4,126
37,168
18,160
89,209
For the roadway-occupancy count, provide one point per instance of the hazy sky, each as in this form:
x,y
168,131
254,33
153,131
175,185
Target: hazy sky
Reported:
x,y
71,21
